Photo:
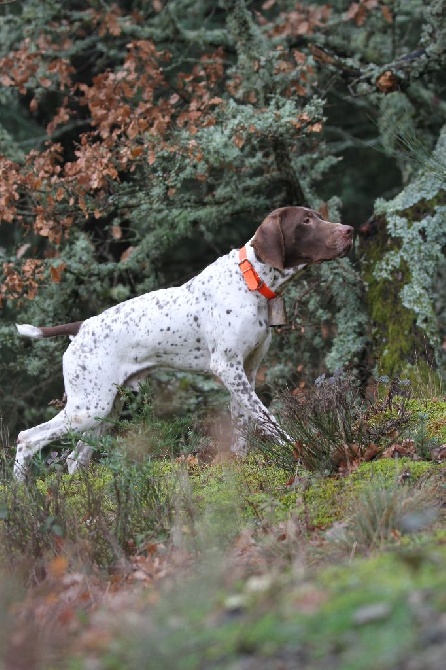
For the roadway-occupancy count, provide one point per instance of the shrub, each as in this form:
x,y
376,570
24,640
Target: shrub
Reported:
x,y
333,425
385,510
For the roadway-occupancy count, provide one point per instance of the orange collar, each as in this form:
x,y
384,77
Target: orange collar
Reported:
x,y
252,279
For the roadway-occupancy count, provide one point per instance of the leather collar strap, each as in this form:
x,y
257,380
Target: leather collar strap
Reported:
x,y
252,279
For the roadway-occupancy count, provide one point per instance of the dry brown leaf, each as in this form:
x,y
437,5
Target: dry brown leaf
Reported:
x,y
116,232
56,272
387,13
127,253
58,567
387,82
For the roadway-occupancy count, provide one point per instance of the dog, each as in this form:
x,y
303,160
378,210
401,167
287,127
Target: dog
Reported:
x,y
217,322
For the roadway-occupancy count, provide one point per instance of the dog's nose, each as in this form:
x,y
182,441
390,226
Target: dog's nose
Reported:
x,y
347,232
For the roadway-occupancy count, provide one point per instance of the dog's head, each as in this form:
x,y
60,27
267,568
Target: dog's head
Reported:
x,y
292,236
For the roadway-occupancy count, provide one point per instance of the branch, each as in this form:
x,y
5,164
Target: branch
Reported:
x,y
293,189
428,55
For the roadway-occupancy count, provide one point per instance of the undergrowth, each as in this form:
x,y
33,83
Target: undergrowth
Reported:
x,y
160,555
333,425
156,487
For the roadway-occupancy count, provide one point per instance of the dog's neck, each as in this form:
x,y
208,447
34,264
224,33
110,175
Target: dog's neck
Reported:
x,y
273,277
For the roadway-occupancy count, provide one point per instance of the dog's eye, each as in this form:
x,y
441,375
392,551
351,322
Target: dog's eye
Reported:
x,y
307,220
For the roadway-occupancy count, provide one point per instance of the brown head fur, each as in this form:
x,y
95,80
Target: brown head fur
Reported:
x,y
292,236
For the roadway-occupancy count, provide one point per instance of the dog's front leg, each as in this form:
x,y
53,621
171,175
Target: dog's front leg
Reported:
x,y
245,405
240,427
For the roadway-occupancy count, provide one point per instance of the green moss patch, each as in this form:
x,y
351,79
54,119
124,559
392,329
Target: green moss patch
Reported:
x,y
433,412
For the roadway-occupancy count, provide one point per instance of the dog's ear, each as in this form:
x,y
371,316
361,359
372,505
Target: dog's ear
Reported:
x,y
268,241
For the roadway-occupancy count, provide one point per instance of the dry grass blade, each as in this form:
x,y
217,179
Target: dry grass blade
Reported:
x,y
332,425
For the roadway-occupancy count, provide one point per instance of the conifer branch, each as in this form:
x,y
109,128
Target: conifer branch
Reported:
x,y
293,188
254,58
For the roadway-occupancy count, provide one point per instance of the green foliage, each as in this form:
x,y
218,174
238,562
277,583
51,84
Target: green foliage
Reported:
x,y
350,320
415,222
253,566
103,514
332,424
163,133
97,516
393,105
383,510
328,324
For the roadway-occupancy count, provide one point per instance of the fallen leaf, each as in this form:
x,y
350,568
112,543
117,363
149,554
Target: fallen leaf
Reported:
x,y
58,567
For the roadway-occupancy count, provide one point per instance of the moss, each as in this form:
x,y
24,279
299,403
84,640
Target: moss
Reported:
x,y
395,334
241,491
392,322
433,411
362,614
396,570
389,469
387,581
257,490
329,499
323,500
213,502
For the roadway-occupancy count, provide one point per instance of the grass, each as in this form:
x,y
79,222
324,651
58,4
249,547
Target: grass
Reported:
x,y
159,556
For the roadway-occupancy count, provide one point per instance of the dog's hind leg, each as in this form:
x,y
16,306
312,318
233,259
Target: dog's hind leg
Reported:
x,y
74,417
81,454
31,441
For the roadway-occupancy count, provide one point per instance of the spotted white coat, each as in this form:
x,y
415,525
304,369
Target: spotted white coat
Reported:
x,y
213,323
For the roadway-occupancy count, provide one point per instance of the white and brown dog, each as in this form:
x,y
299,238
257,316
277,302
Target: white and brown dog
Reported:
x,y
217,322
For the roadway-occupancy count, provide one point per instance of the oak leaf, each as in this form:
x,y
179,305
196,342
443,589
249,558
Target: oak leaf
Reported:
x,y
56,272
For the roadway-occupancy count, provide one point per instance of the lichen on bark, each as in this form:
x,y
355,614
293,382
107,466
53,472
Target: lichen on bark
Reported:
x,y
403,257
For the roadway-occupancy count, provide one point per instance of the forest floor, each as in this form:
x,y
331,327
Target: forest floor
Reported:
x,y
202,563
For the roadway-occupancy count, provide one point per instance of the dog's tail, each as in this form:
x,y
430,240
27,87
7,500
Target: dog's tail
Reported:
x,y
29,331
70,329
